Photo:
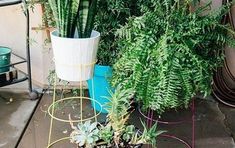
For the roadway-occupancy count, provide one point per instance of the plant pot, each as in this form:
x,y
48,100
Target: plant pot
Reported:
x,y
5,58
101,144
100,87
75,57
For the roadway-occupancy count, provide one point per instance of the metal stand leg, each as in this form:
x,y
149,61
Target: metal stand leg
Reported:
x,y
193,123
32,93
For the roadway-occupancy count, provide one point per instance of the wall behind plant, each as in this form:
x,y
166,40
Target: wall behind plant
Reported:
x,y
12,31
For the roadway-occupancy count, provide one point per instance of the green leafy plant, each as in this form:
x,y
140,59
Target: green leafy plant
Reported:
x,y
47,18
170,53
115,132
111,15
129,132
72,14
106,134
148,135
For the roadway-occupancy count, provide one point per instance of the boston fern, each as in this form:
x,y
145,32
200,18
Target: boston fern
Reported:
x,y
169,53
72,14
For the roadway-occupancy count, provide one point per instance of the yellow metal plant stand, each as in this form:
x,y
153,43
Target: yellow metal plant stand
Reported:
x,y
81,98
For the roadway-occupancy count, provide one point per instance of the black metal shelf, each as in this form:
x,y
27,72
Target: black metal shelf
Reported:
x,y
4,3
27,76
14,81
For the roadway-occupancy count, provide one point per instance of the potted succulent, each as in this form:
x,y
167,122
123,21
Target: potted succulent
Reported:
x,y
111,15
74,42
169,54
115,132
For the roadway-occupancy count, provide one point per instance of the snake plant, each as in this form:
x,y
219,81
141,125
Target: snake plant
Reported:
x,y
72,15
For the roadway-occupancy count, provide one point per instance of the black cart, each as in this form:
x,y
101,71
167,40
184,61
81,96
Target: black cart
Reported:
x,y
27,77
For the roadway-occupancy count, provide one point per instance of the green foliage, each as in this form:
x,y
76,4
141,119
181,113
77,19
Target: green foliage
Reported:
x,y
129,132
69,14
111,15
169,53
117,117
149,135
117,109
47,18
116,132
106,133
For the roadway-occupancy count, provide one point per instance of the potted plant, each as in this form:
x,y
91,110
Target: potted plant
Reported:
x,y
5,59
111,15
115,132
74,42
169,53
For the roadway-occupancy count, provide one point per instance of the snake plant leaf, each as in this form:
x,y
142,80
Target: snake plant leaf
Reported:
x,y
74,15
83,15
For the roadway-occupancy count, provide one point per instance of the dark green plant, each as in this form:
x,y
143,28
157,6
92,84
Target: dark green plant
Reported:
x,y
111,15
72,14
169,53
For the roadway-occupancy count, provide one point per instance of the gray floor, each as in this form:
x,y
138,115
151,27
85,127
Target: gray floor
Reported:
x,y
214,127
16,109
214,123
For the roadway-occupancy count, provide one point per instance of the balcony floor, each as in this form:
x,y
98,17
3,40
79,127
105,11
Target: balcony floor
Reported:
x,y
214,124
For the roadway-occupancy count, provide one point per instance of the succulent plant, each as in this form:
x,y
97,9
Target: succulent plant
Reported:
x,y
106,134
129,132
85,134
116,132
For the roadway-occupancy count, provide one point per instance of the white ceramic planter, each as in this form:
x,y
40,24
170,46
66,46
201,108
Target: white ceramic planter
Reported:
x,y
75,57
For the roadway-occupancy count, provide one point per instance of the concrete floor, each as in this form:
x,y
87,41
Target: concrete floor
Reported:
x,y
16,109
214,124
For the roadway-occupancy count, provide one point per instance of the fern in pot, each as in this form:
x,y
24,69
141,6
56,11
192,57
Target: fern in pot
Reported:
x,y
169,54
74,42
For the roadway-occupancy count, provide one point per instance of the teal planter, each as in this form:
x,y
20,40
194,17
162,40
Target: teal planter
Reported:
x,y
5,58
100,87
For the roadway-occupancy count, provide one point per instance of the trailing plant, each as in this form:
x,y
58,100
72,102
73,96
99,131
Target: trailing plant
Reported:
x,y
170,53
74,14
115,132
47,18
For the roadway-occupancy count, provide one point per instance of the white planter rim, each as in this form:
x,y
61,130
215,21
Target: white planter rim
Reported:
x,y
74,57
94,35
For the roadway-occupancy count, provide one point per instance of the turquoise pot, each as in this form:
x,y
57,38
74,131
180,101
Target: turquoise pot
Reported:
x,y
100,88
5,58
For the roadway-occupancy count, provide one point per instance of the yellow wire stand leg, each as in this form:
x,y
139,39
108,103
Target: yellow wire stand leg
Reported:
x,y
81,116
81,98
53,109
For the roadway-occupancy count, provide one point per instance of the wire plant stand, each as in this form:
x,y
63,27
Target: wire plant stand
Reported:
x,y
150,120
80,98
